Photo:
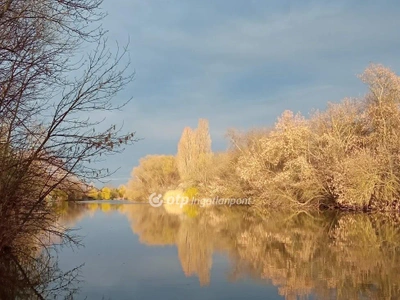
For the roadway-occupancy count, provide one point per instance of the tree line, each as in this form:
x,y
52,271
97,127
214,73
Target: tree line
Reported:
x,y
346,157
107,193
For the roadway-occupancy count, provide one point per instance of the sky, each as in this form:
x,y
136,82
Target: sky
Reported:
x,y
239,64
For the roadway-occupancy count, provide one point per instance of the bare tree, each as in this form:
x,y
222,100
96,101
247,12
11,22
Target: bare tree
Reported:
x,y
47,102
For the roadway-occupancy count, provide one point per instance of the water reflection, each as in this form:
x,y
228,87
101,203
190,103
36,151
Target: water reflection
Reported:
x,y
322,255
31,271
24,276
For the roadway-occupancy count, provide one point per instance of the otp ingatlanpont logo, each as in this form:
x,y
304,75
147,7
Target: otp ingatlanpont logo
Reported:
x,y
155,200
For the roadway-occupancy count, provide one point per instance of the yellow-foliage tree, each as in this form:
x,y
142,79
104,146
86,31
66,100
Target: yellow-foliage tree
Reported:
x,y
93,193
347,156
122,191
184,156
194,153
105,193
155,174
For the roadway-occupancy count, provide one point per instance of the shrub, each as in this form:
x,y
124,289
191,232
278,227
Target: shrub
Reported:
x,y
191,192
347,156
155,174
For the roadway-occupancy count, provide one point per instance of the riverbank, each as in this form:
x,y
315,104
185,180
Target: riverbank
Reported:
x,y
344,158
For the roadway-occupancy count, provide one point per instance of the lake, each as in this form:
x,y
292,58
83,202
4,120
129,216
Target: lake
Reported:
x,y
135,251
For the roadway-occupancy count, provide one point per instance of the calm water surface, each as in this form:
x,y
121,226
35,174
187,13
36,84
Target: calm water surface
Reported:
x,y
134,251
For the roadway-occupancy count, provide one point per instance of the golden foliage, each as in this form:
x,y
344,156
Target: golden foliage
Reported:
x,y
303,254
194,153
93,193
105,193
155,174
347,156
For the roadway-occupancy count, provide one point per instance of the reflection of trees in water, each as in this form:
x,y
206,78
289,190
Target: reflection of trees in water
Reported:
x,y
69,213
26,275
333,256
31,271
341,257
330,255
153,226
191,236
195,249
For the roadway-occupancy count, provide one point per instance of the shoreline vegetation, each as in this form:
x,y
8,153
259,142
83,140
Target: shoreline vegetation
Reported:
x,y
54,96
346,158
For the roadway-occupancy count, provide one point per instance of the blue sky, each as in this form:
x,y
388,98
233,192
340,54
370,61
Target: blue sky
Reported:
x,y
240,63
